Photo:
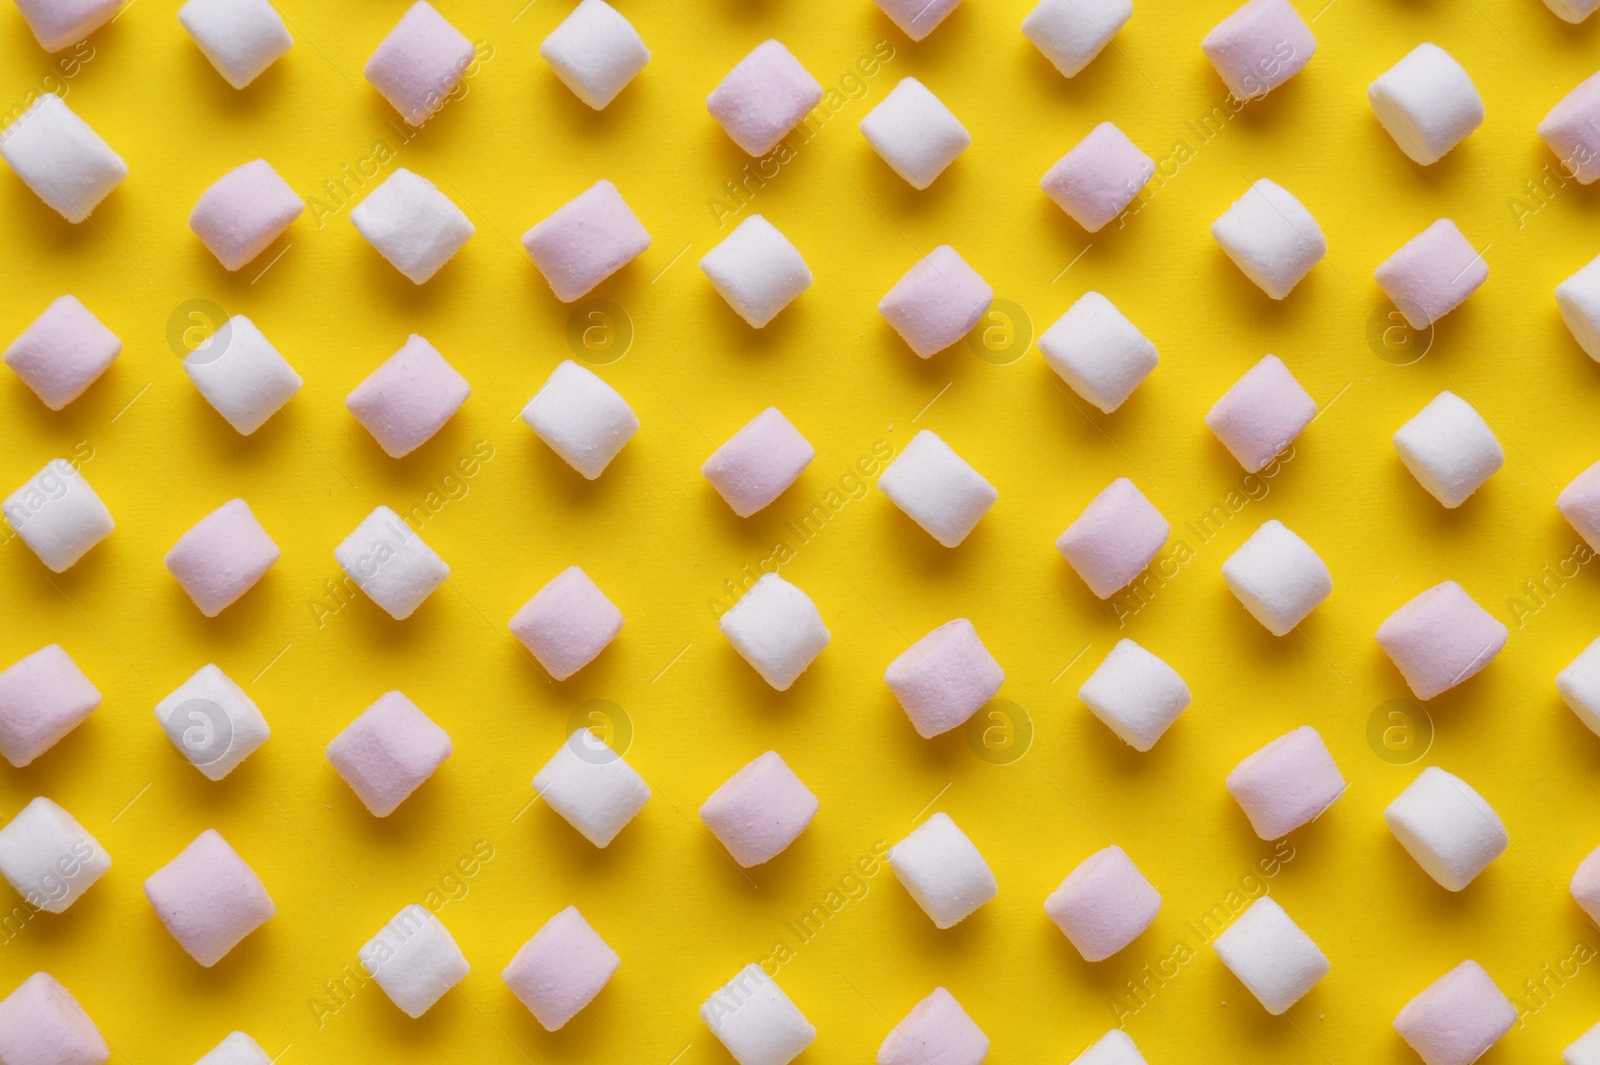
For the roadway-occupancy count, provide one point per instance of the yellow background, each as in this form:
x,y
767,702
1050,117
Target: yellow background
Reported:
x,y
661,543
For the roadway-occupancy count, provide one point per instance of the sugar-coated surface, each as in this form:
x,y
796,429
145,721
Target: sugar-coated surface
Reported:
x,y
944,678
208,898
937,489
777,629
1096,350
1427,102
757,270
1440,639
1571,132
58,24
1432,273
937,1030
236,1048
388,752
759,462
1449,828
1261,414
1114,539
419,64
1259,47
915,133
212,722
242,38
586,240
408,399
243,212
1099,177
1270,235
943,871
561,969
936,302
415,960
42,1024
759,810
1287,783
1271,955
1278,577
412,224
757,1023
391,563
1136,694
58,515
1114,1048
48,857
1071,33
581,418
63,352
60,158
43,697
1457,1018
1449,449
1103,904
595,51
589,784
567,623
242,375
763,97
222,556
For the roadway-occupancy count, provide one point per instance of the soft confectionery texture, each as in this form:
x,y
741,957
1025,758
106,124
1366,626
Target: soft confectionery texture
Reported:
x,y
212,722
567,623
589,785
777,629
917,18
1441,638
1136,695
937,489
419,64
1259,47
1096,350
59,24
43,696
60,158
595,51
415,960
1097,179
241,374
1579,299
1449,449
58,515
1071,33
1427,102
758,463
937,1031
1114,539
756,270
585,241
942,870
936,302
1278,577
763,97
208,898
1585,1050
1114,1048
408,399
757,1023
1575,11
222,556
42,1024
391,563
1103,904
1585,885
243,212
944,678
48,857
63,352
1579,503
1261,414
1432,274
1451,831
581,418
1579,685
1287,783
1457,1018
760,810
1572,130
1271,955
242,38
915,133
1270,235
388,752
236,1049
561,969
412,224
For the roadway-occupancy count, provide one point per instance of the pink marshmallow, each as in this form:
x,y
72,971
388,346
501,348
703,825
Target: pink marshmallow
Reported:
x,y
42,1024
1259,47
387,752
1441,638
1585,884
1104,904
42,698
561,969
222,556
409,398
759,810
1432,274
937,302
1457,1017
59,24
1572,130
247,209
63,352
944,678
937,1031
586,240
917,18
1099,177
208,898
1261,414
764,96
1287,783
1114,539
420,63
567,623
1579,503
759,462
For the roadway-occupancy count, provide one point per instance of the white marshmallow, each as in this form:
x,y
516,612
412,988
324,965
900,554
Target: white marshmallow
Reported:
x,y
1270,955
1071,33
1449,449
412,224
58,515
583,419
1114,1048
391,563
1096,350
242,38
59,23
1585,1050
1447,827
915,133
1136,694
756,270
1573,11
236,1049
48,857
415,960
942,870
1579,299
1579,685
756,1021
60,158
937,489
1278,577
777,629
241,374
1427,102
589,785
1271,237
596,52
212,722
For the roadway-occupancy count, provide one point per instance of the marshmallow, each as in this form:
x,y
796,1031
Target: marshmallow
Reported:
x,y
763,97
236,1049
1585,884
1449,449
1432,274
49,858
1261,414
561,969
937,489
43,697
567,623
1579,685
595,52
1287,783
241,374
589,785
777,629
57,24
42,1024
1136,695
415,960
917,18
942,871
404,402
1103,904
944,678
419,64
585,241
391,563
1586,1049
760,810
242,38
212,722
1579,503
581,418
222,556
208,898
1270,955
1071,33
1277,577
1099,177
1571,132
1114,539
1574,11
1578,297
937,1030
63,352
1440,638
1259,47
758,463
1447,827
756,270
1269,234
58,515
1098,352
1114,1048
243,212
412,224
915,133
387,752
756,1021
60,158
1457,1018
937,302
1427,102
